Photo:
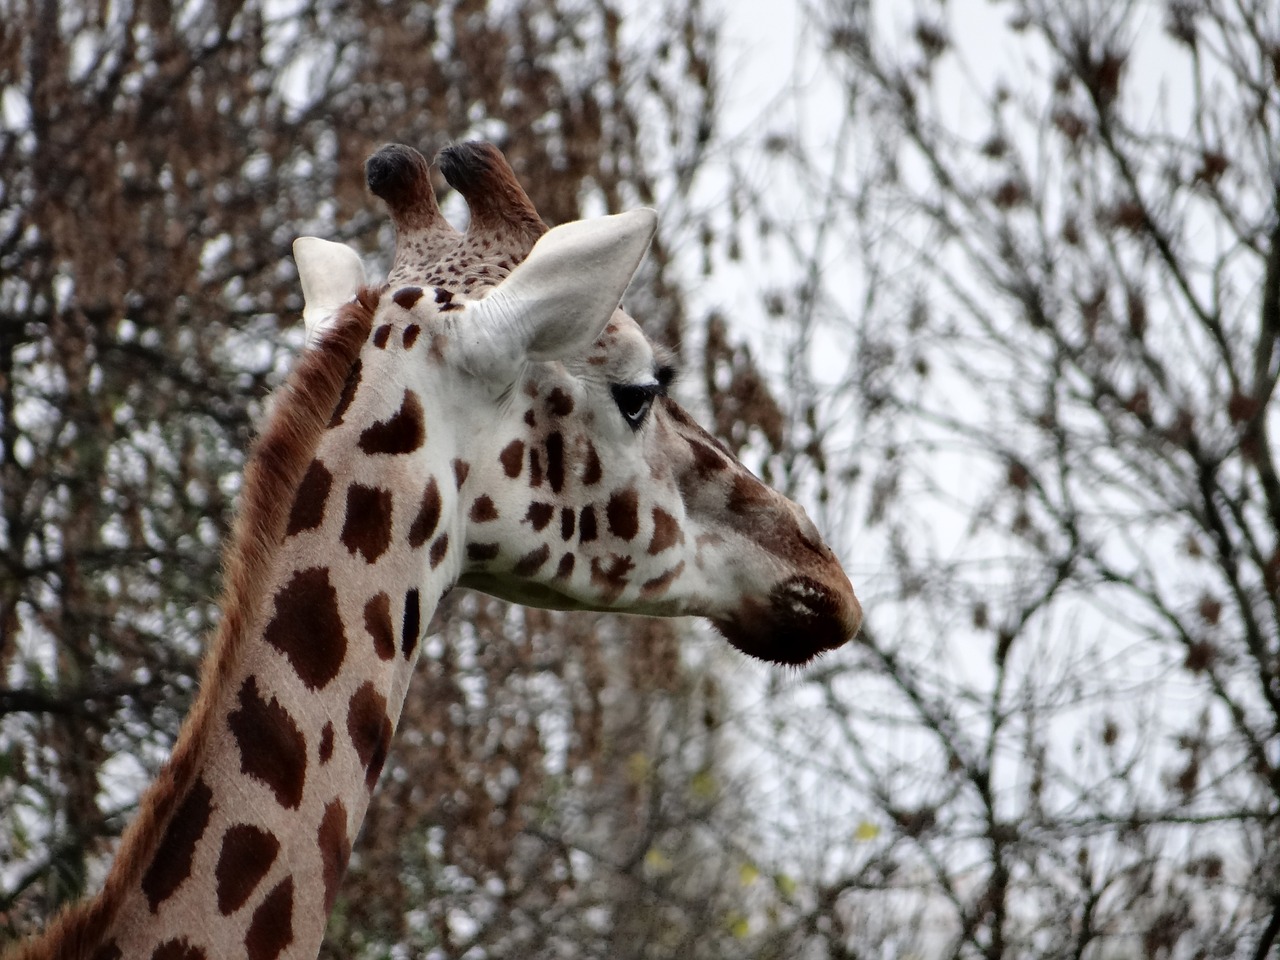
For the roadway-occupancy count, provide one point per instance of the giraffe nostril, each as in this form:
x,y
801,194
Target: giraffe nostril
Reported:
x,y
809,534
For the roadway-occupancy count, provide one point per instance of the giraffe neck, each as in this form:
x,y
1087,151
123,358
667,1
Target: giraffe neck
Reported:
x,y
339,560
255,852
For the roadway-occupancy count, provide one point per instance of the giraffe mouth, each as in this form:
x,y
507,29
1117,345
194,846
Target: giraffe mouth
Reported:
x,y
801,618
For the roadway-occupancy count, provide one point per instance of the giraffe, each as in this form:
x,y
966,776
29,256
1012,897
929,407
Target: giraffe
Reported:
x,y
489,417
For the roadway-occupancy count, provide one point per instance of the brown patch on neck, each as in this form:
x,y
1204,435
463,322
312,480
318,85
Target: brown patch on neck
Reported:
x,y
275,470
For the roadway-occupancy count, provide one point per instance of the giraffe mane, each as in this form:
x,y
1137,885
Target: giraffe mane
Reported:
x,y
278,460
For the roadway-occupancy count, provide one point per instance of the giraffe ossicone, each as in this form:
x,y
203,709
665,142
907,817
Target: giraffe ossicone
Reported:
x,y
487,418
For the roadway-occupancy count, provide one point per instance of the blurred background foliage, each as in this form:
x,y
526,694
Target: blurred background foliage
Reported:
x,y
1011,337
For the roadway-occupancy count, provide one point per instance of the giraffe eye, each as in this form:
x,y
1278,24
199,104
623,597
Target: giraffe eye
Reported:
x,y
634,401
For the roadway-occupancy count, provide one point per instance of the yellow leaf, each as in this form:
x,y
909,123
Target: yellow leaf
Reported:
x,y
703,785
866,831
748,874
638,767
657,862
786,886
738,925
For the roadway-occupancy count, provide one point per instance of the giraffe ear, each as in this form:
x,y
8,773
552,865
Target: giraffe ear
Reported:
x,y
557,302
331,276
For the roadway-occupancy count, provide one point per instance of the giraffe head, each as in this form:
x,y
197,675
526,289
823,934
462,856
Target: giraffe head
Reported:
x,y
574,481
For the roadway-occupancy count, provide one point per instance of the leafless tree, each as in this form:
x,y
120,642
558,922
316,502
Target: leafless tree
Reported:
x,y
1029,346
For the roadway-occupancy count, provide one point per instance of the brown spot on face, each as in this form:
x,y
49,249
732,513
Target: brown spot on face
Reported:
x,y
335,850
623,514
308,505
424,524
530,418
326,743
443,295
307,627
348,394
178,949
587,524
555,461
381,336
483,510
271,929
439,549
461,470
108,951
706,458
666,532
611,580
406,297
747,495
512,458
559,403
171,864
660,585
591,471
539,515
532,561
377,621
411,335
676,413
272,748
403,433
411,626
247,854
535,468
564,569
370,730
482,552
367,527
567,521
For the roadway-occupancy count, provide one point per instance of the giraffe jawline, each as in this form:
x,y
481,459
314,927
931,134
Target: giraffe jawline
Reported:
x,y
800,619
525,593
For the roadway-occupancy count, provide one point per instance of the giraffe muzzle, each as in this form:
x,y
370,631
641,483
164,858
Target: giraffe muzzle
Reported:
x,y
801,618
